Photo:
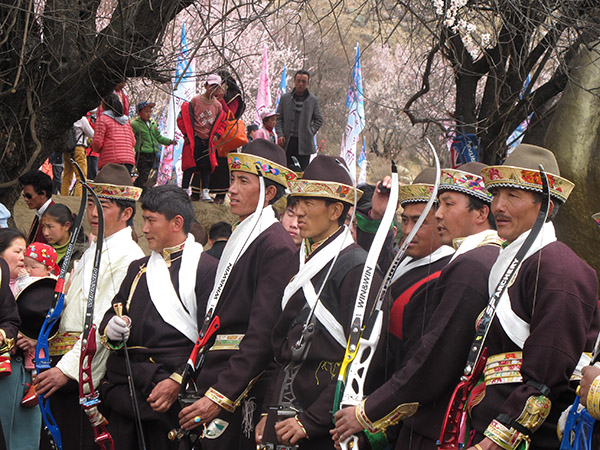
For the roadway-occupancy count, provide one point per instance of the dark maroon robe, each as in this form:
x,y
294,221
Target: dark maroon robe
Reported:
x,y
156,350
433,370
314,385
249,305
556,293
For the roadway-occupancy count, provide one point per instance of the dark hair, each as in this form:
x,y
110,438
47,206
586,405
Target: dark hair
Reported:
x,y
113,103
170,201
302,72
123,205
39,180
250,128
219,230
7,236
62,214
345,211
478,204
291,202
280,190
199,233
538,199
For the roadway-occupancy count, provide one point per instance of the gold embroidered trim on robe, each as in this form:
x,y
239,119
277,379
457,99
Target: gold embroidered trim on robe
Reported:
x,y
534,414
399,413
62,343
227,342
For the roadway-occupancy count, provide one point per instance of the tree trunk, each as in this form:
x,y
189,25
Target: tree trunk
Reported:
x,y
573,136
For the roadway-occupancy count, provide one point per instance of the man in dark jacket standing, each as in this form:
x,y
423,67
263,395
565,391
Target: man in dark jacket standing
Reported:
x,y
299,118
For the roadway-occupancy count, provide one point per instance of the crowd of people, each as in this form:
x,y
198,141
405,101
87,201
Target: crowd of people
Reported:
x,y
266,315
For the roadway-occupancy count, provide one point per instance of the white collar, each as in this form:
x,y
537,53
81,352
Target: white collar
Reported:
x,y
40,212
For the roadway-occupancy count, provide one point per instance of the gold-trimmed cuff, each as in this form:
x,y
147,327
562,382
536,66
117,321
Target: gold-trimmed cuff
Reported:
x,y
508,439
301,426
593,399
109,345
176,377
399,413
220,400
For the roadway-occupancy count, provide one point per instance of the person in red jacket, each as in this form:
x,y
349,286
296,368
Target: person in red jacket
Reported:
x,y
199,117
113,136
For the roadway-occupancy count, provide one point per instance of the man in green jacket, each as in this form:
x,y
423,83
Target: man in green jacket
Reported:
x,y
147,138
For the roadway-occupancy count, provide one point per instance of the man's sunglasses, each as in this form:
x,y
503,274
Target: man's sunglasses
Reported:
x,y
27,196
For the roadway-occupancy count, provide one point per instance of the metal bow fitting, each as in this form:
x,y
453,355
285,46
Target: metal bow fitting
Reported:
x,y
42,355
365,334
88,396
453,428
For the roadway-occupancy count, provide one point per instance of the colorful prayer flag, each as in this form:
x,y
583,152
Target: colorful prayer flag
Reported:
x,y
263,96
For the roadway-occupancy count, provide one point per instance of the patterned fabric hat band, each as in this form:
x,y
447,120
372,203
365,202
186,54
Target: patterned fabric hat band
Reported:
x,y
464,182
521,171
326,177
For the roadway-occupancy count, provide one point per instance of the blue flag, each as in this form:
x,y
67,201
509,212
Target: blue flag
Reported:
x,y
282,86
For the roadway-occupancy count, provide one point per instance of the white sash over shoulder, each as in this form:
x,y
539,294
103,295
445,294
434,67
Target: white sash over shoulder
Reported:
x,y
179,311
409,264
302,280
516,328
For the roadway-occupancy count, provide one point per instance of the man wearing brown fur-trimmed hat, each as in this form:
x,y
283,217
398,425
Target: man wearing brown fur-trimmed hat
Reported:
x,y
118,196
546,318
253,270
439,347
325,194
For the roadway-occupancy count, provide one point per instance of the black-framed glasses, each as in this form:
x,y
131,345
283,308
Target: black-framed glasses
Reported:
x,y
27,196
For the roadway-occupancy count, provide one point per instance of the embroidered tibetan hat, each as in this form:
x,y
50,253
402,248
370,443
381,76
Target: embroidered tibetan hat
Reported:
x,y
266,155
466,179
114,182
596,218
324,177
521,171
419,190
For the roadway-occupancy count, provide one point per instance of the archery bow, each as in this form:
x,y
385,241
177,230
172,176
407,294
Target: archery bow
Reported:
x,y
455,419
365,336
89,401
211,323
42,354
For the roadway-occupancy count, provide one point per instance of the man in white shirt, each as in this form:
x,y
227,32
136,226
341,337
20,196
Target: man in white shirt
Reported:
x,y
117,195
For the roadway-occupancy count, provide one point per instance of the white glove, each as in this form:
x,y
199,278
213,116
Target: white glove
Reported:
x,y
118,328
562,421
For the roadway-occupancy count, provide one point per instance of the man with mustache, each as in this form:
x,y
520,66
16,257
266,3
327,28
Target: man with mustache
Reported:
x,y
546,318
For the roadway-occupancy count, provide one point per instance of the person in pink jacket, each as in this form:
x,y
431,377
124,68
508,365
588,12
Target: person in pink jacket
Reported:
x,y
266,130
113,136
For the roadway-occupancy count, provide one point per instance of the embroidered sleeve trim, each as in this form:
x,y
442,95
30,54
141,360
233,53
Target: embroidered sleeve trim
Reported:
x,y
593,399
220,400
176,377
507,438
534,413
399,413
301,426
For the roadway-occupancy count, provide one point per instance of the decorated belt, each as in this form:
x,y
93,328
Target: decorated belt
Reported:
x,y
227,342
62,343
506,368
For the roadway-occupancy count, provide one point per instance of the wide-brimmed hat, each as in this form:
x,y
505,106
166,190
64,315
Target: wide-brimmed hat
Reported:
x,y
325,177
43,253
33,303
420,189
265,156
521,171
114,182
466,179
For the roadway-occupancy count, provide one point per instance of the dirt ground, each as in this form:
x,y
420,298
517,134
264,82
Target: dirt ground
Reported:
x,y
206,214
